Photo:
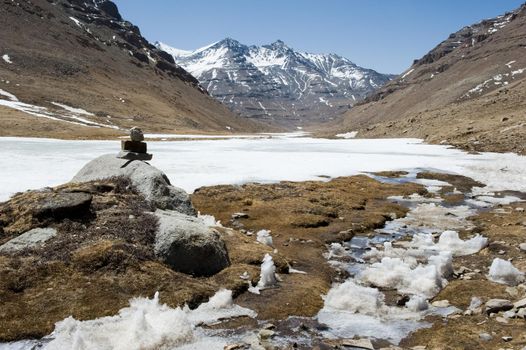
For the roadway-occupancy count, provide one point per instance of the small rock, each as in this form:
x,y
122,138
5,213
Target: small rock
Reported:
x,y
461,270
509,314
136,134
497,305
507,338
266,334
513,291
501,252
237,346
240,216
503,119
441,303
520,304
501,320
358,343
485,336
521,313
522,247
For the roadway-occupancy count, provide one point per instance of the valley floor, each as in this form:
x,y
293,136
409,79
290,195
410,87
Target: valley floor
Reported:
x,y
398,254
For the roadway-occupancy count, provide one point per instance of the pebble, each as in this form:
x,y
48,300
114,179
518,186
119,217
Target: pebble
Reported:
x,y
266,333
358,343
239,216
513,291
520,304
507,338
502,252
522,247
441,303
509,314
497,305
485,336
501,320
237,346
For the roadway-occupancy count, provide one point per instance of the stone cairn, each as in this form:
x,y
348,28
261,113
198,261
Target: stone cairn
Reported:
x,y
135,148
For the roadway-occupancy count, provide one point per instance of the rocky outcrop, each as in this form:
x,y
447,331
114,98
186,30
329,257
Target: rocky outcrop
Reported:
x,y
187,245
152,183
183,241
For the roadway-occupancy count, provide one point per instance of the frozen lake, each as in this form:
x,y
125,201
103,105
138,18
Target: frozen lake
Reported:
x,y
30,163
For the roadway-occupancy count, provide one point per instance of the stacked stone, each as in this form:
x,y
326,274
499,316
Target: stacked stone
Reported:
x,y
135,148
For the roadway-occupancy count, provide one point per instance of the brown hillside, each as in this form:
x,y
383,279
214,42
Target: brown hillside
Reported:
x,y
469,91
83,54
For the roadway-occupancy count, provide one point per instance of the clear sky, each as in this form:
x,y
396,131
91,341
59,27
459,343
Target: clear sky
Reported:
x,y
385,35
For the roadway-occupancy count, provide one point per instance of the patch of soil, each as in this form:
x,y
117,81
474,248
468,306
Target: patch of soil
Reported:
x,y
303,217
391,174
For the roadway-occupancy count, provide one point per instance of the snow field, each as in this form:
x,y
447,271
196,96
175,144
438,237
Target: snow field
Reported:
x,y
192,164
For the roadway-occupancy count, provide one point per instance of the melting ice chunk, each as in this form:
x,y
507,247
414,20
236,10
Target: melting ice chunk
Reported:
x,y
503,271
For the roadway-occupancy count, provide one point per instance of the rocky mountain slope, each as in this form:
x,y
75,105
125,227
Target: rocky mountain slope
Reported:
x,y
469,91
74,68
276,83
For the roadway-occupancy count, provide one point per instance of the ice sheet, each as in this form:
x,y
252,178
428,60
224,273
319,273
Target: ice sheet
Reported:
x,y
29,163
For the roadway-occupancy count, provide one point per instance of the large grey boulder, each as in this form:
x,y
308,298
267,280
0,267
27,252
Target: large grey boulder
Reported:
x,y
30,239
188,245
152,183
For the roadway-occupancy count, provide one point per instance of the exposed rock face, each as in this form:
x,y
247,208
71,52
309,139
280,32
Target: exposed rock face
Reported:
x,y
29,239
188,245
468,91
152,183
275,83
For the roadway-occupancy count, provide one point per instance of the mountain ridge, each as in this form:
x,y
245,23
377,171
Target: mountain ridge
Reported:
x,y
276,83
77,69
468,91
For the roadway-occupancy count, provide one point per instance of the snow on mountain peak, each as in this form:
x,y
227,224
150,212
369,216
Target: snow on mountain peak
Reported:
x,y
275,81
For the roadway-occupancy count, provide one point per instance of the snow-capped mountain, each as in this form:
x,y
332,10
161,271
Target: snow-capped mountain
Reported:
x,y
276,82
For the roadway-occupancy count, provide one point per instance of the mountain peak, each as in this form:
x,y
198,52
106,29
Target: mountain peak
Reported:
x,y
277,45
276,82
229,42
